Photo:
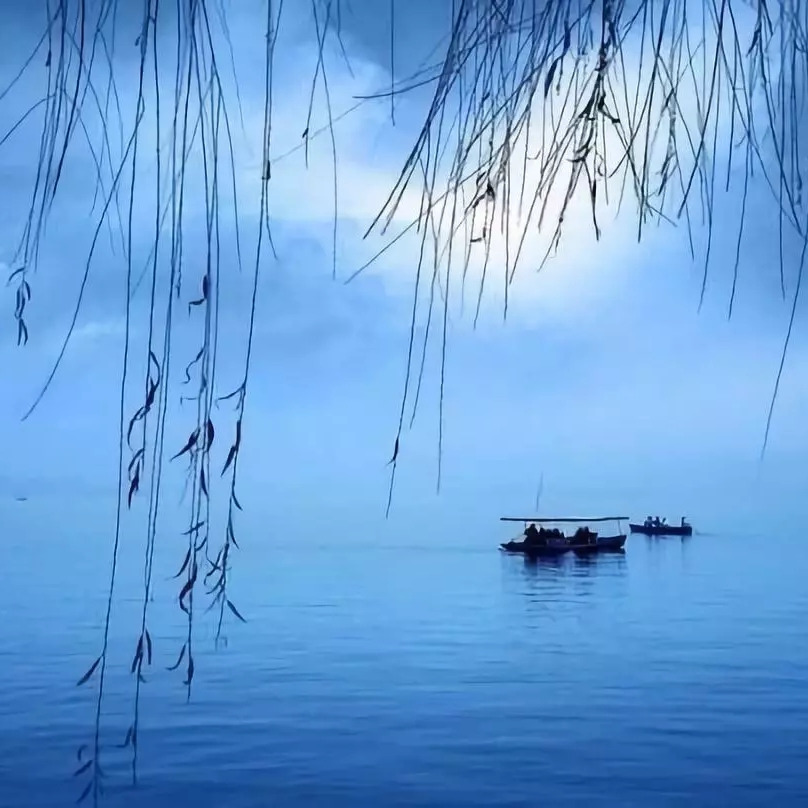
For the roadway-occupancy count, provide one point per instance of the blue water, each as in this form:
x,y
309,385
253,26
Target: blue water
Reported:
x,y
404,674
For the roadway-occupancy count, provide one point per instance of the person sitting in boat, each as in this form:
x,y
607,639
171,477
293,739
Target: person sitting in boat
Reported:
x,y
532,536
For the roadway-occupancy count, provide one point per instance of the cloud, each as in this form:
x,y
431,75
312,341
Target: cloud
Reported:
x,y
100,329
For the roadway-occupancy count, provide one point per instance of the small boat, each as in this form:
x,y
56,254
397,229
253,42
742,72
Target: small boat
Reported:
x,y
550,540
657,527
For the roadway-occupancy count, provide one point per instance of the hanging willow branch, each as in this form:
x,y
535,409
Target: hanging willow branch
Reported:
x,y
542,108
539,109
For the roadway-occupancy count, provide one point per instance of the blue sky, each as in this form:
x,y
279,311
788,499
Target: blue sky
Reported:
x,y
605,378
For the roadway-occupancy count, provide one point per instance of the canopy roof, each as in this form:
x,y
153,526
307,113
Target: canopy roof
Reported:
x,y
561,519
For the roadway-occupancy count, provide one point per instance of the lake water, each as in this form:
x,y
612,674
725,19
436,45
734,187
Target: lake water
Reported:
x,y
410,675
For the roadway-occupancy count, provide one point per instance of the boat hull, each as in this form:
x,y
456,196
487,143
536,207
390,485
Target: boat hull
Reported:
x,y
662,530
607,543
603,544
557,548
549,550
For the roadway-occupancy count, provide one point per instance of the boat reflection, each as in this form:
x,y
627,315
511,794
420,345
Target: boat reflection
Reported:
x,y
569,564
563,587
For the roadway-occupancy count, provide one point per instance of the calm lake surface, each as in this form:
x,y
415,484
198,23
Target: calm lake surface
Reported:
x,y
410,675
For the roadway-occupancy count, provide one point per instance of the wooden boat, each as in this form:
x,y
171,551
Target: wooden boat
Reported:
x,y
547,541
653,528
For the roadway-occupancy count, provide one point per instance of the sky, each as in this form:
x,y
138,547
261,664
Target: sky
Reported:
x,y
607,380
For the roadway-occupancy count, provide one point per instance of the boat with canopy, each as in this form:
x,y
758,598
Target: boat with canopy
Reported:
x,y
546,537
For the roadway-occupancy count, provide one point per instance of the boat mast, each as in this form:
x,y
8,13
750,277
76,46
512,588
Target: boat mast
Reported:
x,y
539,492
